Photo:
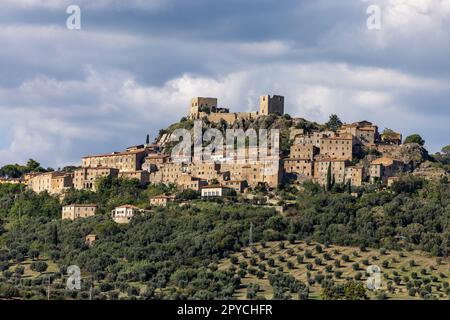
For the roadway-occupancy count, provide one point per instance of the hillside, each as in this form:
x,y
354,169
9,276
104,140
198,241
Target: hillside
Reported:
x,y
404,274
182,251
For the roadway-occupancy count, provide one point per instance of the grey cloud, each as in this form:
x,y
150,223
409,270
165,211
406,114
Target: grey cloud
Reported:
x,y
132,67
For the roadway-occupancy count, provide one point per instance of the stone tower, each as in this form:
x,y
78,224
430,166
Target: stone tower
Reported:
x,y
271,105
200,104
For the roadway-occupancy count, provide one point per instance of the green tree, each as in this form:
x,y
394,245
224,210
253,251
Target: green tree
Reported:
x,y
39,266
446,151
415,138
329,178
334,123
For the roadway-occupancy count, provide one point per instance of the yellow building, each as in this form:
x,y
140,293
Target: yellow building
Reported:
x,y
53,182
161,200
75,211
123,161
85,178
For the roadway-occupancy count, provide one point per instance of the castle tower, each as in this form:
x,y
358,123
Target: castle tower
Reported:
x,y
271,105
199,104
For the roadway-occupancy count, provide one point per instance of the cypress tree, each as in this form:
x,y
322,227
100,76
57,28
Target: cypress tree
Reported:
x,y
329,177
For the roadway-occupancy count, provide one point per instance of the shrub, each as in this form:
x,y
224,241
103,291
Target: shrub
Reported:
x,y
319,248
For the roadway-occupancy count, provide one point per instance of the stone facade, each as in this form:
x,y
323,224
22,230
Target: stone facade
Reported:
x,y
365,132
12,181
141,175
123,161
304,151
299,169
85,178
383,168
337,170
271,105
338,147
199,105
161,200
354,174
52,182
237,185
75,211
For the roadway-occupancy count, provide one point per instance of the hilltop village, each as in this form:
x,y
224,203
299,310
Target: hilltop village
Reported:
x,y
355,154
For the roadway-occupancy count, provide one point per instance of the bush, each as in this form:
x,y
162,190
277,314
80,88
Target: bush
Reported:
x,y
319,248
39,266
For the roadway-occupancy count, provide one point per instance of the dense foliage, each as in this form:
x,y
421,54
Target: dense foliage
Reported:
x,y
173,252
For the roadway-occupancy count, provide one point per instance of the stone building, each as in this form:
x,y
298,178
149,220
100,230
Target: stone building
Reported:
x,y
304,151
383,168
161,200
12,181
141,175
123,161
354,174
237,185
201,105
312,138
90,239
337,170
75,211
204,170
271,105
52,182
266,172
299,169
85,178
338,147
153,161
187,181
364,131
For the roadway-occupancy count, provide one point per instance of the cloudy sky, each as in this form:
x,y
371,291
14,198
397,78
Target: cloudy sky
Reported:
x,y
134,65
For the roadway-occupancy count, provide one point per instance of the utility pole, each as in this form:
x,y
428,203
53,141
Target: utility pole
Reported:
x,y
251,234
90,288
48,288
